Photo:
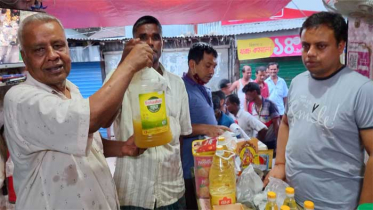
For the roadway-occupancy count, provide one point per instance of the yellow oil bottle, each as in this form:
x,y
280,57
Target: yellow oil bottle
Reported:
x,y
271,203
289,200
151,123
222,178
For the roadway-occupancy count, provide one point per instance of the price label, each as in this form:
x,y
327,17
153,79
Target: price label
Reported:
x,y
286,46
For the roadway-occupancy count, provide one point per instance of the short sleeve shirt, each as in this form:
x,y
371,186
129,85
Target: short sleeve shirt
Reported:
x,y
266,114
324,153
57,163
277,93
225,120
264,90
201,112
250,124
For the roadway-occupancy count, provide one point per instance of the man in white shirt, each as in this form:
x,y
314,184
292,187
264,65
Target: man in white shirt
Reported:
x,y
154,179
251,125
278,90
52,132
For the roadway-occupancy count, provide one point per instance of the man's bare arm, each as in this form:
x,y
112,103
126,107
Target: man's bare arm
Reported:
x,y
121,148
366,195
105,103
285,100
278,170
209,130
234,86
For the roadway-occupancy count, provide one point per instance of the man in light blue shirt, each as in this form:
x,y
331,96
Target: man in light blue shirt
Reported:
x,y
278,90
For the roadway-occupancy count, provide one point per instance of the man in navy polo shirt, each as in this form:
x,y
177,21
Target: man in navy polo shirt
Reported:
x,y
202,63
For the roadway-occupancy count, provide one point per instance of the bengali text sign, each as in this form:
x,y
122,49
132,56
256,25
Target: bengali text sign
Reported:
x,y
280,46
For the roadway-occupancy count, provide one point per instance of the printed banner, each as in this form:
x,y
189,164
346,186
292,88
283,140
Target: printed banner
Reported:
x,y
280,46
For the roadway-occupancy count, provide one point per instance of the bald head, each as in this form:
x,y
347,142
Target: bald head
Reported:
x,y
246,72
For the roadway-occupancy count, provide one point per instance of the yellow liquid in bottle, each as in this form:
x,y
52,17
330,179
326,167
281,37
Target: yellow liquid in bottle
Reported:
x,y
291,203
146,141
222,180
271,206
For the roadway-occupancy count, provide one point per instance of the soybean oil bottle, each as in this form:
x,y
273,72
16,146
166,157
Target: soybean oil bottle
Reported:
x,y
151,123
222,178
271,203
289,200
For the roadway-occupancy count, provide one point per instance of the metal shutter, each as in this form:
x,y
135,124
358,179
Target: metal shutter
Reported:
x,y
87,76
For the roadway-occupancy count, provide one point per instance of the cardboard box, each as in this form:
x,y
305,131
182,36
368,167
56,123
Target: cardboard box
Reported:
x,y
236,206
202,165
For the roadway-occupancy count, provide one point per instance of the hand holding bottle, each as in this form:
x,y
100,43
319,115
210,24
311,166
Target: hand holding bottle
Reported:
x,y
139,57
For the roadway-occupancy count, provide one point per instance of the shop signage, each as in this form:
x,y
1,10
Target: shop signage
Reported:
x,y
279,46
358,58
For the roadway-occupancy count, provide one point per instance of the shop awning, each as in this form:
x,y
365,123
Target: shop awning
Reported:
x,y
284,14
108,13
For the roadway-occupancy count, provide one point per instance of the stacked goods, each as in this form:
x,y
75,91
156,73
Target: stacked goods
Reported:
x,y
203,152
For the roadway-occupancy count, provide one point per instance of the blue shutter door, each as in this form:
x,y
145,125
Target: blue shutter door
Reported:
x,y
87,76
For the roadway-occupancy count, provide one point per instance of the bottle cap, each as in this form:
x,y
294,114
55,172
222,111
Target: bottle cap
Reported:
x,y
289,190
309,205
284,207
219,148
271,195
221,138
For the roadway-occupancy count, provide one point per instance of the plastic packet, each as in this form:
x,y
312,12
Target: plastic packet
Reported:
x,y
275,185
248,185
208,145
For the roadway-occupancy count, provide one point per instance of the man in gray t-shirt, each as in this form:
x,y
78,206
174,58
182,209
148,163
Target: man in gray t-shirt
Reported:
x,y
327,123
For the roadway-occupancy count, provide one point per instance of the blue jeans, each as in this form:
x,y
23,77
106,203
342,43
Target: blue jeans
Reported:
x,y
180,204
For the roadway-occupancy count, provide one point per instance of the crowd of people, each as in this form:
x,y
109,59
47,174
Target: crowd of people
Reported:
x,y
59,156
256,105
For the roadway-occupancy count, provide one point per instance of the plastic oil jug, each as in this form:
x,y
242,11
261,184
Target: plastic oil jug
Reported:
x,y
271,203
222,178
149,111
221,141
289,200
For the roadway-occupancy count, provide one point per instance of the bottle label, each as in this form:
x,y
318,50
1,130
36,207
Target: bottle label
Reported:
x,y
223,199
153,113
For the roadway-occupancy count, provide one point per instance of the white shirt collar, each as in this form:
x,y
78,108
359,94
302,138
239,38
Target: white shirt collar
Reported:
x,y
165,75
33,82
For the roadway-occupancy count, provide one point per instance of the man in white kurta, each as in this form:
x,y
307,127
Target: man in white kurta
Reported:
x,y
55,165
51,131
155,178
